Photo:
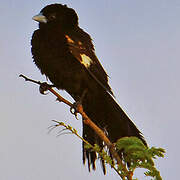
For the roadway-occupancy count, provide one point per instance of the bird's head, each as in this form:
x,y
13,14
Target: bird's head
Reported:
x,y
57,15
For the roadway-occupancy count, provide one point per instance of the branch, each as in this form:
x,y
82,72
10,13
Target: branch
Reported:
x,y
89,122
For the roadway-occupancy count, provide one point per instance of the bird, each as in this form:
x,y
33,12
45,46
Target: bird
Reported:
x,y
65,54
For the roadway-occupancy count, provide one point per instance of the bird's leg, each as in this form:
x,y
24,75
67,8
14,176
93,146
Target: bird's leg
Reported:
x,y
73,108
44,87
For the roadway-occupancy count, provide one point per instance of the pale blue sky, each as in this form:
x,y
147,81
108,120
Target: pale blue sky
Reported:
x,y
136,41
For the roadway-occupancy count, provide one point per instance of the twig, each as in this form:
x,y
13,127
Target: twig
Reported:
x,y
31,80
73,131
90,123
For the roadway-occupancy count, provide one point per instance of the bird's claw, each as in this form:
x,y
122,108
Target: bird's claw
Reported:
x,y
74,110
57,99
43,87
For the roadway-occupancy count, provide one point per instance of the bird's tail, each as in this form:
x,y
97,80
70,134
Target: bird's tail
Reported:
x,y
104,111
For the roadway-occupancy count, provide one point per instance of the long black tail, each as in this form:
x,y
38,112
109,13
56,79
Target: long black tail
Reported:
x,y
103,110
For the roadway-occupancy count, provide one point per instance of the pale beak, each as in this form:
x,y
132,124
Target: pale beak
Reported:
x,y
40,18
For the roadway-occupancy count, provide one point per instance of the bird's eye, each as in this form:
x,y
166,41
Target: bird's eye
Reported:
x,y
52,17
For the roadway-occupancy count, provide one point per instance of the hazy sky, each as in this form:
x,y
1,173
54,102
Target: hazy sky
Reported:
x,y
136,41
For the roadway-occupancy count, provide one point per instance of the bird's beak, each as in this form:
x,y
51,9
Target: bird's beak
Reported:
x,y
40,18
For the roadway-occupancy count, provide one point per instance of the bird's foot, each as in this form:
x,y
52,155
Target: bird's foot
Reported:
x,y
74,108
44,87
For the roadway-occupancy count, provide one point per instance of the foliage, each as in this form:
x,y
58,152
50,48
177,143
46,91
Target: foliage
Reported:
x,y
133,152
137,155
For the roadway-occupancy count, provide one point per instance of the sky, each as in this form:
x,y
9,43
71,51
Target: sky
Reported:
x,y
137,43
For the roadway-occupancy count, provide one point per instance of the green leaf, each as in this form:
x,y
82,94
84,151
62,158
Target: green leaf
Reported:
x,y
125,142
87,146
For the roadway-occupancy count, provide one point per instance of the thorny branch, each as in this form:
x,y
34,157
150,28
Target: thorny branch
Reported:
x,y
88,122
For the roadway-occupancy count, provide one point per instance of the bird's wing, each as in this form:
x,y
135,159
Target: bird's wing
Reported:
x,y
81,47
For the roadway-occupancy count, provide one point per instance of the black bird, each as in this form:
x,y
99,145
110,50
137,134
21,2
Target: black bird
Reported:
x,y
65,54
